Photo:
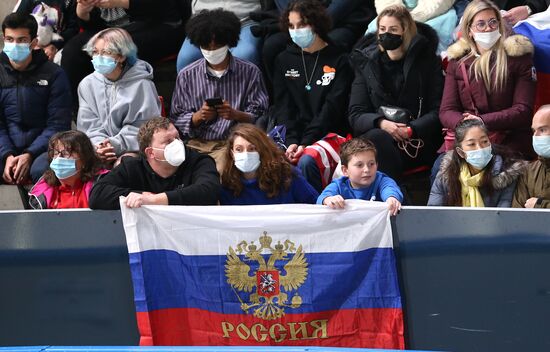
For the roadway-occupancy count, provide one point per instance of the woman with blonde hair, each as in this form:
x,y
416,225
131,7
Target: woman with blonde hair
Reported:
x,y
396,92
257,172
490,77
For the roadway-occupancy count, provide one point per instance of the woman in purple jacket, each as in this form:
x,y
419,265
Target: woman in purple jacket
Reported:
x,y
490,77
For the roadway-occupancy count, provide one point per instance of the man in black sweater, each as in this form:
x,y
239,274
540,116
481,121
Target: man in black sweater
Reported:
x,y
166,173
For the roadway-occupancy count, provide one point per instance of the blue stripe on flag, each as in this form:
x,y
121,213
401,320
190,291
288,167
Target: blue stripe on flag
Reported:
x,y
541,41
355,280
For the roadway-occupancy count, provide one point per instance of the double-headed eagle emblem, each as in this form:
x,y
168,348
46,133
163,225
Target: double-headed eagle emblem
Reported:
x,y
268,300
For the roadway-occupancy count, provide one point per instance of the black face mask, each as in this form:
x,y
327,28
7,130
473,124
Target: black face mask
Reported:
x,y
390,41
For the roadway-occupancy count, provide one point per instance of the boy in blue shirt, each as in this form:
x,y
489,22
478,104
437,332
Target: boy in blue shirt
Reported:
x,y
361,179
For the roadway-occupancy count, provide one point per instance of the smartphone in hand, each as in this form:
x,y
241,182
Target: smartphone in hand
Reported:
x,y
213,102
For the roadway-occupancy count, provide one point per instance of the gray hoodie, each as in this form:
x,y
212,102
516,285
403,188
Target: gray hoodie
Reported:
x,y
115,110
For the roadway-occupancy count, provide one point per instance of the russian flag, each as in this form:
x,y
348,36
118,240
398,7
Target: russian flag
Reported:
x,y
265,275
537,28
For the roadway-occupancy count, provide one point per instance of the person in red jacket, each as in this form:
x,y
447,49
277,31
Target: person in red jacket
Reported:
x,y
490,77
73,169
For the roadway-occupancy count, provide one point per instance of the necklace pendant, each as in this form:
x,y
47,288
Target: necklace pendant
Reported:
x,y
308,87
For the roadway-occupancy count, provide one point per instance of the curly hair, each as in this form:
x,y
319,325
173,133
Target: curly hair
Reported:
x,y
313,13
222,27
274,173
354,146
148,129
73,142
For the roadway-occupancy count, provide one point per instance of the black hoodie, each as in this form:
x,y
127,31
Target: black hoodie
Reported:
x,y
310,114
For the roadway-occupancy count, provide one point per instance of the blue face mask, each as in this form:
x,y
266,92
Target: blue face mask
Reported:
x,y
104,64
303,37
541,144
17,52
63,167
479,158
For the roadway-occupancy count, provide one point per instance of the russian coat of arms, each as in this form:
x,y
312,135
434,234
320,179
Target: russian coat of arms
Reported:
x,y
268,301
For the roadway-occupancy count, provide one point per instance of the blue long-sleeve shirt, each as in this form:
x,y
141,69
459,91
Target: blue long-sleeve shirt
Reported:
x,y
300,191
381,189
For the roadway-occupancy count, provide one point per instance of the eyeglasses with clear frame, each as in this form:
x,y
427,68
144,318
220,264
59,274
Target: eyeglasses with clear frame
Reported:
x,y
62,153
481,25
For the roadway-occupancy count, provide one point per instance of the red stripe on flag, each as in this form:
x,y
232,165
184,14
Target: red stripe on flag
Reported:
x,y
365,328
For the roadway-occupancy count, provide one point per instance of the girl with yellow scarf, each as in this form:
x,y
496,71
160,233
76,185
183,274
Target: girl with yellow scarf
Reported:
x,y
475,173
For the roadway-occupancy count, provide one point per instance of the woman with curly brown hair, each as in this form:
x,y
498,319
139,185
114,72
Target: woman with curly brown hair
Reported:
x,y
73,168
257,172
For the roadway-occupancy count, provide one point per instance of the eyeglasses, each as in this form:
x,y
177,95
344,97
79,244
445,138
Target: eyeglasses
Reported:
x,y
104,52
480,26
62,153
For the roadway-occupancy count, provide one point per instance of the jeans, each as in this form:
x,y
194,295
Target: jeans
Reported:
x,y
311,172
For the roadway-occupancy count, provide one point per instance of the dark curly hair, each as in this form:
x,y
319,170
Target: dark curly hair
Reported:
x,y
222,27
313,13
74,142
274,174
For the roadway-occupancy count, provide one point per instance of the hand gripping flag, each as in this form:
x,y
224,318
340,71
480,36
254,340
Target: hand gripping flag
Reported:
x,y
265,275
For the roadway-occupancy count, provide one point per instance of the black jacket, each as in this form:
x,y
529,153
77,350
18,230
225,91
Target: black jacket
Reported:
x,y
420,94
310,115
538,5
142,13
196,182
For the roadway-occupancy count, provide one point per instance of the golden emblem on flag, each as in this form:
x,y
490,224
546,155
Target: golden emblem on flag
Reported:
x,y
268,301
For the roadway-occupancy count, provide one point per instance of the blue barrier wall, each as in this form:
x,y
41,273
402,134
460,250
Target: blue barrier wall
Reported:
x,y
472,280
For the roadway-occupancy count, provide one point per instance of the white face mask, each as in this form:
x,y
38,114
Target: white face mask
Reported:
x,y
174,153
215,57
247,161
486,40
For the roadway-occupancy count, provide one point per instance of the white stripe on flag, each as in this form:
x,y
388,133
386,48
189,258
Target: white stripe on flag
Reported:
x,y
539,20
210,230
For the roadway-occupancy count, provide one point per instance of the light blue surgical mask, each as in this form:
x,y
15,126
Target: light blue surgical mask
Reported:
x,y
247,161
17,52
303,37
541,144
104,64
63,167
479,158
